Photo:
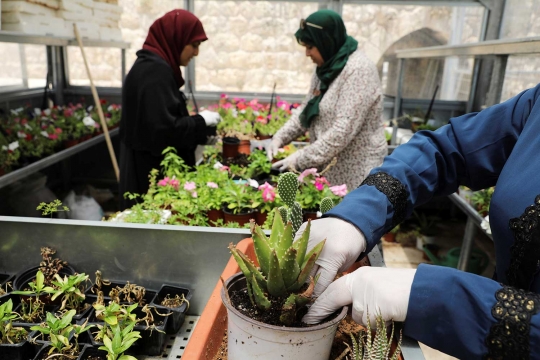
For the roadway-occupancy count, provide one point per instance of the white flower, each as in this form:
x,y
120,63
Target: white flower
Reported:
x,y
253,183
110,108
21,135
47,112
235,113
218,165
485,225
28,126
17,111
88,121
13,146
242,111
45,134
90,108
256,113
37,111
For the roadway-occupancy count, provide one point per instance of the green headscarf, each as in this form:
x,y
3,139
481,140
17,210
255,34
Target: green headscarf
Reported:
x,y
335,47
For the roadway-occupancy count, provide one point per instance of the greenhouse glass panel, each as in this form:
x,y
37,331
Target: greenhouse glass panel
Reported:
x,y
252,46
22,66
521,20
383,29
105,65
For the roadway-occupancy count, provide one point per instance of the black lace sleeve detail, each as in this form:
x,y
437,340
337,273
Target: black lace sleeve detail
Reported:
x,y
394,190
525,251
509,337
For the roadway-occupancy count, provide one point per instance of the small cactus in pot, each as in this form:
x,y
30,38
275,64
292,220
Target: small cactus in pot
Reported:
x,y
284,265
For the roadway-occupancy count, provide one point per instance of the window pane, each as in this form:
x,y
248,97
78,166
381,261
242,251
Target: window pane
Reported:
x,y
22,66
383,29
252,46
105,65
522,72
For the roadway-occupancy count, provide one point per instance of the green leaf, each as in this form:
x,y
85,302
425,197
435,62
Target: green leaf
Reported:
x,y
127,357
277,229
301,244
261,299
262,249
275,283
117,339
285,241
289,267
108,343
240,261
39,280
111,320
254,271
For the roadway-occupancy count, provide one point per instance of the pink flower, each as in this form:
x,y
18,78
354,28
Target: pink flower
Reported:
x,y
212,185
266,186
253,103
268,195
307,172
319,186
339,190
322,180
53,136
224,168
174,183
223,96
226,106
58,130
163,182
189,186
194,194
261,119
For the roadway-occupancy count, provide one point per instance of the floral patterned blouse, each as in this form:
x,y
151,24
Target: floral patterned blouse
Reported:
x,y
349,126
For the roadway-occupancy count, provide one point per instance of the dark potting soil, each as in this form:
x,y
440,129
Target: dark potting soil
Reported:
x,y
240,160
240,300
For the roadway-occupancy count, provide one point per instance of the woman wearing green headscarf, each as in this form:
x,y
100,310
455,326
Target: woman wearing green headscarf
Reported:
x,y
342,110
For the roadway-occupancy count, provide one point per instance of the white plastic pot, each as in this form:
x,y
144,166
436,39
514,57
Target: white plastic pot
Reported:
x,y
422,240
251,339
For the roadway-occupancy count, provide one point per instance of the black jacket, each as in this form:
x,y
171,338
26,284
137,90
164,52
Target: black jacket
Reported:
x,y
154,116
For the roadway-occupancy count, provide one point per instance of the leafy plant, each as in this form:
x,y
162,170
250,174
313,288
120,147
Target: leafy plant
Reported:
x,y
117,340
10,334
33,310
52,207
368,347
71,289
481,200
238,197
427,224
259,164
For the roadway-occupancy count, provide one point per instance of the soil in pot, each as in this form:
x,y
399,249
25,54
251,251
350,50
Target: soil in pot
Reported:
x,y
230,147
92,353
240,160
91,292
310,215
23,350
43,354
242,218
171,298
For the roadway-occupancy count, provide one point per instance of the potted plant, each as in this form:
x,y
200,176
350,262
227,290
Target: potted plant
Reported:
x,y
263,303
175,299
465,193
427,229
116,341
267,201
13,338
70,289
391,235
481,200
237,201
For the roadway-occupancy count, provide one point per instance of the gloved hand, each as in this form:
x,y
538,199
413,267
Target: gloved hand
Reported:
x,y
344,243
375,290
288,162
210,118
272,148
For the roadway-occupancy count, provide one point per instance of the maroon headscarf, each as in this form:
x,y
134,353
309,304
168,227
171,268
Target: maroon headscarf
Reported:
x,y
169,34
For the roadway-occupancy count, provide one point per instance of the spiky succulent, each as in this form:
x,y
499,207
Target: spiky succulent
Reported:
x,y
326,205
284,268
287,189
373,348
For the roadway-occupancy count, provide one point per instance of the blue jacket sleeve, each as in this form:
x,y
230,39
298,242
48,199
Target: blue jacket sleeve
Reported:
x,y
461,313
471,150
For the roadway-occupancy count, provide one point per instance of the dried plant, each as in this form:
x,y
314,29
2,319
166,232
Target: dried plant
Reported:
x,y
49,266
177,301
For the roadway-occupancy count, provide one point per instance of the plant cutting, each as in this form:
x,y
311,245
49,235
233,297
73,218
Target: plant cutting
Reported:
x,y
238,202
117,341
32,307
51,208
264,303
14,342
71,289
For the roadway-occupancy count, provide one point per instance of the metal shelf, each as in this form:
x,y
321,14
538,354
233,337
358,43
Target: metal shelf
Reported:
x,y
21,38
54,158
468,210
175,344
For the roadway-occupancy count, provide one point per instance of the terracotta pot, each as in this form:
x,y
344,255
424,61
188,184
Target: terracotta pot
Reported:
x,y
310,215
260,218
213,216
241,219
263,137
212,325
389,237
70,143
244,147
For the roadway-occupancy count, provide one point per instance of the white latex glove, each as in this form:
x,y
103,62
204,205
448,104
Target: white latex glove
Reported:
x,y
375,290
210,118
272,148
288,162
344,244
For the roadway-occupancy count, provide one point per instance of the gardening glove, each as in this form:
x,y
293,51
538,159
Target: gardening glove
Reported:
x,y
272,148
288,163
375,290
210,118
344,244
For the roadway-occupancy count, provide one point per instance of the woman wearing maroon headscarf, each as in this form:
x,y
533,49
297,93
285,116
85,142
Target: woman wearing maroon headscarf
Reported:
x,y
154,112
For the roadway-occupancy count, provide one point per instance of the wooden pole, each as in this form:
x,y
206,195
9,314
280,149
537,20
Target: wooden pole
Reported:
x,y
98,106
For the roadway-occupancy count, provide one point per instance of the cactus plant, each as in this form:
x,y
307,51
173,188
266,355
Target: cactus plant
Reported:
x,y
369,347
326,205
287,189
284,268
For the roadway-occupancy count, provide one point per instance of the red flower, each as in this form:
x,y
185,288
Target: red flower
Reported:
x,y
28,137
8,131
241,106
58,130
103,101
24,122
53,136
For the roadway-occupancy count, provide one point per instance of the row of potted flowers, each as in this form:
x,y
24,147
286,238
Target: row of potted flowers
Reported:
x,y
225,196
28,134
